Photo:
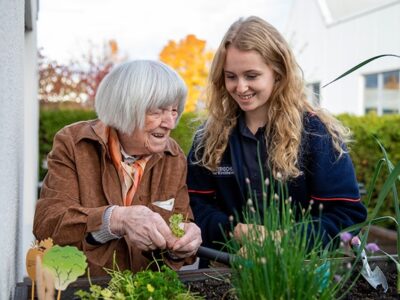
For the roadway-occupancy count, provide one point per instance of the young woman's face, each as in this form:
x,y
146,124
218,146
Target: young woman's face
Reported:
x,y
248,79
154,136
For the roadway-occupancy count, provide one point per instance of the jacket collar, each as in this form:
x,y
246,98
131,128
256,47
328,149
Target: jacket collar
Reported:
x,y
98,131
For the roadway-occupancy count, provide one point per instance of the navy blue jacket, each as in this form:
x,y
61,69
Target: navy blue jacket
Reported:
x,y
214,196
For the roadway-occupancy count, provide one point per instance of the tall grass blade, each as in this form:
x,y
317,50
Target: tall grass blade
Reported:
x,y
387,186
395,198
372,184
359,66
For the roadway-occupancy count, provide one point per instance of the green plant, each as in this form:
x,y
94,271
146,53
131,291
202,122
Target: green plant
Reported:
x,y
184,132
388,186
367,61
283,258
65,264
174,223
53,119
365,152
145,285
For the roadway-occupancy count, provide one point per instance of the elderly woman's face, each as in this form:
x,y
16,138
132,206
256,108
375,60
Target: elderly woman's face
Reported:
x,y
154,136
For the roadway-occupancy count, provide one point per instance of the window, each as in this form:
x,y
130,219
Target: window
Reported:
x,y
382,92
313,92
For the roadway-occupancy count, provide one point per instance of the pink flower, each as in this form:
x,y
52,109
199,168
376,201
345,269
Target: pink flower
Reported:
x,y
355,241
372,247
337,278
345,237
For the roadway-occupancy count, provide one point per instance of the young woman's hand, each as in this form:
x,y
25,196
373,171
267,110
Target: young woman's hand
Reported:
x,y
251,231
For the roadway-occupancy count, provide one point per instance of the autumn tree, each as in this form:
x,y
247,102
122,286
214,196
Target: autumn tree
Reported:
x,y
78,80
191,60
59,82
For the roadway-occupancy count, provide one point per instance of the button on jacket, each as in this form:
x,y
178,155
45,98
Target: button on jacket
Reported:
x,y
82,182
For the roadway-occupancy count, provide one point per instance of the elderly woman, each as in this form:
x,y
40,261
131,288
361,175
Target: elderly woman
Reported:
x,y
113,182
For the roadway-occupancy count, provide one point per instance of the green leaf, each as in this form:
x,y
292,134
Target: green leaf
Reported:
x,y
174,223
359,66
66,264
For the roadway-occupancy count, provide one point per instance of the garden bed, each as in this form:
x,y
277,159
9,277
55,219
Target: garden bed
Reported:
x,y
220,288
385,238
362,290
215,284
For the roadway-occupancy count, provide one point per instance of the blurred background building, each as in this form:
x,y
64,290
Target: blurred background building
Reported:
x,y
19,136
331,36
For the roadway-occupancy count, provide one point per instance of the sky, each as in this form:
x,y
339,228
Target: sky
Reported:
x,y
142,28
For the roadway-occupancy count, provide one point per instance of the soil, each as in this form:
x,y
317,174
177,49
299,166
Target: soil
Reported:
x,y
362,290
215,284
213,289
220,288
216,289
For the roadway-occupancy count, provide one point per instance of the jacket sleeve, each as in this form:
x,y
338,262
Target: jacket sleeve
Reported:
x,y
333,185
59,213
208,214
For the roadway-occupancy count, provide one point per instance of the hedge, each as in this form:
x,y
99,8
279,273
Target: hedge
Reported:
x,y
52,121
364,151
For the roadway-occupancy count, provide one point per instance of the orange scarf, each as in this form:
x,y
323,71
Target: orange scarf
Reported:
x,y
130,174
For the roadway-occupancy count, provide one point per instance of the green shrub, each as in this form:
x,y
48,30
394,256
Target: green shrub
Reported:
x,y
365,151
52,120
185,130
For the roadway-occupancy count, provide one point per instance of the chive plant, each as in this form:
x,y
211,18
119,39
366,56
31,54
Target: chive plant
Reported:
x,y
389,186
282,257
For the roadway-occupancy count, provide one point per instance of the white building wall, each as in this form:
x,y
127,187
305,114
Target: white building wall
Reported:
x,y
330,50
30,144
17,156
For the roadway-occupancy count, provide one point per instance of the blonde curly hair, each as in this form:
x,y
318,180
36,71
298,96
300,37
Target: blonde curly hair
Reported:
x,y
285,107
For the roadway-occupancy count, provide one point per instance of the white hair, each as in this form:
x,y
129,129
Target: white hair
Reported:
x,y
133,88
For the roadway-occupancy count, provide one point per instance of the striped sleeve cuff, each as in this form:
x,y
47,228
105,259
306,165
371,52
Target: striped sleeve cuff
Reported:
x,y
104,234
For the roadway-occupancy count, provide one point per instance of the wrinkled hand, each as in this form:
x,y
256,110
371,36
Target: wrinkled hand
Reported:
x,y
143,227
253,232
243,232
189,243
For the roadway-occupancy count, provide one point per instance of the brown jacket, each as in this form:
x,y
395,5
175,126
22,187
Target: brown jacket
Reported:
x,y
82,182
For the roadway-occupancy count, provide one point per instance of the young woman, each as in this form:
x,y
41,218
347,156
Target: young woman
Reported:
x,y
257,104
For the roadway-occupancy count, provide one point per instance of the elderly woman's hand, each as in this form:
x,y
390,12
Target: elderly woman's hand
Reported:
x,y
144,228
189,243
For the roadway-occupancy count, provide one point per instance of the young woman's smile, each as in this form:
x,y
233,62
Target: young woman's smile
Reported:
x,y
248,79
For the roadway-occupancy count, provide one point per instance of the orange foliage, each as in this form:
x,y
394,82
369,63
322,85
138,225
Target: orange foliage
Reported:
x,y
191,60
76,81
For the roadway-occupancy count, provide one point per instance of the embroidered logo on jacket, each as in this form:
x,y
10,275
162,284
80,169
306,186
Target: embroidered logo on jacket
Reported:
x,y
224,171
